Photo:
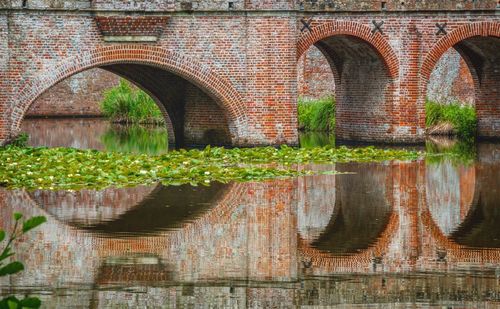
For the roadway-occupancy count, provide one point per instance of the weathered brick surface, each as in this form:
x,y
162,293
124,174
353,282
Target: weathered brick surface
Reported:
x,y
451,80
246,62
79,95
204,121
112,25
315,79
389,5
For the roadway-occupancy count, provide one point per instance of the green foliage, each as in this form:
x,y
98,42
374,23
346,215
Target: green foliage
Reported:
x,y
67,168
463,118
7,269
125,104
136,139
317,115
461,152
20,141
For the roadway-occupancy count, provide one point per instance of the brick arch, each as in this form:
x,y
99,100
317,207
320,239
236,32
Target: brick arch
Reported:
x,y
213,84
366,71
451,39
350,28
479,35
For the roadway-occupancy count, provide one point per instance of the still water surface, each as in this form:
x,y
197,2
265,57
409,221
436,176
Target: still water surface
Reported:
x,y
421,233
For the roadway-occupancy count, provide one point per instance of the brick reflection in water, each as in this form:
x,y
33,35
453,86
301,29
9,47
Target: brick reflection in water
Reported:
x,y
90,206
251,233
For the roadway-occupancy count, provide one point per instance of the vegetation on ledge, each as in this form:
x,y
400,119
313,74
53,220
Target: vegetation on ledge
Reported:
x,y
317,115
67,168
450,119
126,104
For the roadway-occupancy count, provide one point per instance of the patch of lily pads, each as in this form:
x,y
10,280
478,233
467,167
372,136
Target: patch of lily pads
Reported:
x,y
73,169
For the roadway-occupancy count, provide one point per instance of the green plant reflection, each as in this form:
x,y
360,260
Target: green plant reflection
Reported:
x,y
152,140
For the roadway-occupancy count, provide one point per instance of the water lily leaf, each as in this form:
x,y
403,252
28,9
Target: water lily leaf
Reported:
x,y
44,168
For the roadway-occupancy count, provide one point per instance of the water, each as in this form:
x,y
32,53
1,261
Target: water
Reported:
x,y
74,132
399,234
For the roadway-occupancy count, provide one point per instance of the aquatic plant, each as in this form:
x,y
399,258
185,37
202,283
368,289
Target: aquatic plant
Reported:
x,y
7,269
67,168
125,104
317,115
461,117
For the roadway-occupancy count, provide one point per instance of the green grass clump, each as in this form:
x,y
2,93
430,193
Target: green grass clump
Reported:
x,y
124,104
318,115
463,118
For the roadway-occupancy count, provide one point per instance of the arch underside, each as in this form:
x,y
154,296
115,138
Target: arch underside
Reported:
x,y
202,104
195,118
363,89
482,55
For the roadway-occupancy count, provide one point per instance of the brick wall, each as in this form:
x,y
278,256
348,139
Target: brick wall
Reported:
x,y
204,120
247,63
451,80
315,77
388,5
309,5
79,95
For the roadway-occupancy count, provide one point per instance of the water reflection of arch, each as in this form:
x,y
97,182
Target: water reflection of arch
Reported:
x,y
373,200
72,245
224,204
450,240
150,204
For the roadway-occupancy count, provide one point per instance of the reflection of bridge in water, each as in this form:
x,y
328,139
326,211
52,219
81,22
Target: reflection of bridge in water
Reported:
x,y
379,222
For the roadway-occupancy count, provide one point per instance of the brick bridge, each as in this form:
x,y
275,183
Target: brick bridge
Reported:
x,y
226,71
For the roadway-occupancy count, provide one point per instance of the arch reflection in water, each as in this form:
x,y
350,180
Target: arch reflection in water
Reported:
x,y
130,211
361,212
248,238
464,200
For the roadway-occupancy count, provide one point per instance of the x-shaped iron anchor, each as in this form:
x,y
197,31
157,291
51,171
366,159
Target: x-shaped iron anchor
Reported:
x,y
441,28
377,26
306,24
